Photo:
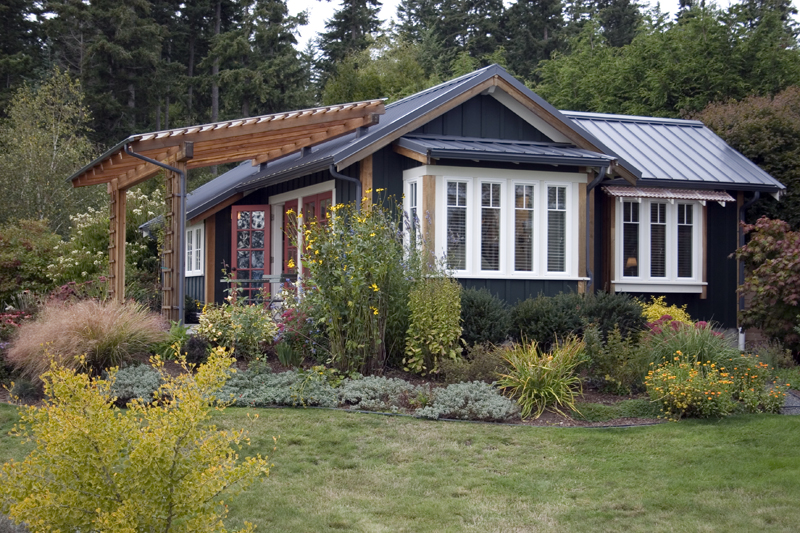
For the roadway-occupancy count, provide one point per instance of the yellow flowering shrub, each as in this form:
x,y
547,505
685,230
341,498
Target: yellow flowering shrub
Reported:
x,y
245,329
750,384
657,308
688,388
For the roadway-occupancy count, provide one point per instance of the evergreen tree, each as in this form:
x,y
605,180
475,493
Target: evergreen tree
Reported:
x,y
485,21
19,46
620,20
534,31
261,70
348,32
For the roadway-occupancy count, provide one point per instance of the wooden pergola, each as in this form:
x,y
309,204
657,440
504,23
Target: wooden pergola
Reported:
x,y
142,156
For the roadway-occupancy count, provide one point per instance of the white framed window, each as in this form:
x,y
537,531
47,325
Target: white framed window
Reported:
x,y
659,246
412,204
497,223
194,250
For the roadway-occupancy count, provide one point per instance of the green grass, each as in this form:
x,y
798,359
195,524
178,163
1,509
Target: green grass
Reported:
x,y
598,412
338,471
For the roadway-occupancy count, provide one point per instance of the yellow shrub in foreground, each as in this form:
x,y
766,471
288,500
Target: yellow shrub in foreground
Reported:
x,y
658,308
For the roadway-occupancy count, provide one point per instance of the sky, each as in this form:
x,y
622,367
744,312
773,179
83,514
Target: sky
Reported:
x,y
321,11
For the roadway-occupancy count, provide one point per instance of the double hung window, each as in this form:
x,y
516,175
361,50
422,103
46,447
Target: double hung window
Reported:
x,y
194,250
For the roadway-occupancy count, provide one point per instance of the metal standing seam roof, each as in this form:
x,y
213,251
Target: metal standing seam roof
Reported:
x,y
622,191
682,153
441,146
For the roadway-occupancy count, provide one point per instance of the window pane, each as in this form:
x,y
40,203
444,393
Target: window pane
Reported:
x,y
197,255
630,239
490,226
684,241
523,228
258,239
457,238
658,240
556,229
258,219
242,260
243,220
243,239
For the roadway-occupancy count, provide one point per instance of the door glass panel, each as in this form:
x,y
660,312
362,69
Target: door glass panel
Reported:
x,y
243,239
258,274
258,239
242,260
258,219
257,259
243,221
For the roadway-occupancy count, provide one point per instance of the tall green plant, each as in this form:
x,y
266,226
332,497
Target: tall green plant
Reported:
x,y
357,280
435,324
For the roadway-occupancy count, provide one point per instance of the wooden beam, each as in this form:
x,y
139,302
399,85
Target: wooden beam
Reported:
x,y
210,266
116,245
411,154
216,209
365,177
427,220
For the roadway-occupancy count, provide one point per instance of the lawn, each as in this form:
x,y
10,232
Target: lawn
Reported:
x,y
354,472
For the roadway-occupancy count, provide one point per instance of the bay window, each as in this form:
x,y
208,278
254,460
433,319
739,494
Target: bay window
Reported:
x,y
501,223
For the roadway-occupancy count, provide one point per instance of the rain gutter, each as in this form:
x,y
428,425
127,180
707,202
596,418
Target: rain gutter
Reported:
x,y
357,181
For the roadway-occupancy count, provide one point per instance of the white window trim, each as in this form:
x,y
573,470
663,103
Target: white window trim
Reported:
x,y
671,283
407,209
189,264
507,178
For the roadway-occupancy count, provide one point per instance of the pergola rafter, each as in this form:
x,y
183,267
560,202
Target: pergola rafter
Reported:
x,y
261,139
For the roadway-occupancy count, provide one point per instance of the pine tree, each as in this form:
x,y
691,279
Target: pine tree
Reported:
x,y
620,19
348,32
534,32
19,46
485,20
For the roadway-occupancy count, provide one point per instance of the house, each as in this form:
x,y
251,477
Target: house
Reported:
x,y
521,198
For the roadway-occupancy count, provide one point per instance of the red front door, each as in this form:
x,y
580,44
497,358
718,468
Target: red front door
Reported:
x,y
250,249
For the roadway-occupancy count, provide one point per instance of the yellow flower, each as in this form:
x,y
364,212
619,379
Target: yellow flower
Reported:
x,y
374,310
290,264
374,287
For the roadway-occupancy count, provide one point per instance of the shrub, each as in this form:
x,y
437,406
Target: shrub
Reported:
x,y
10,322
287,355
752,384
772,261
613,310
434,328
790,377
197,350
105,332
699,341
619,365
243,328
657,309
684,386
25,390
138,382
300,331
483,362
173,346
542,381
26,248
292,388
373,393
773,353
150,467
469,401
545,319
359,278
484,317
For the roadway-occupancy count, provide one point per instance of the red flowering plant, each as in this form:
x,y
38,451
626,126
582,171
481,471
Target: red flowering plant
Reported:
x,y
699,341
10,321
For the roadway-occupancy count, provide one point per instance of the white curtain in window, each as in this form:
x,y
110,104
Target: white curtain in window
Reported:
x,y
556,229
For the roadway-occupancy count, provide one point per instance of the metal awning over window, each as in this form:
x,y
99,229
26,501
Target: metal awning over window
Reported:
x,y
622,192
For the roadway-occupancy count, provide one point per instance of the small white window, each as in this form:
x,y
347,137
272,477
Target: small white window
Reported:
x,y
457,225
556,229
490,226
194,251
523,228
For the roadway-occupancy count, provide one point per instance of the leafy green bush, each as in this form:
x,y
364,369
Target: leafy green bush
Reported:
x,y
618,365
358,283
291,388
753,385
484,317
138,382
197,350
483,362
245,329
469,401
287,355
699,341
657,309
613,310
686,387
173,346
106,333
26,248
160,466
374,393
789,377
773,353
544,319
541,380
434,329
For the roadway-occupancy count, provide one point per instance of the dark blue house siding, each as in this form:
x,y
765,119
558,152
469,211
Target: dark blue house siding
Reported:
x,y
483,116
513,290
195,288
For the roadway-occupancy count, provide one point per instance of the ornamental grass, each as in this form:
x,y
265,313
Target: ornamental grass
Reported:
x,y
107,333
541,380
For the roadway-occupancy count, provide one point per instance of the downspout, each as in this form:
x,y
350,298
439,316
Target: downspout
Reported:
x,y
742,210
340,176
181,274
595,182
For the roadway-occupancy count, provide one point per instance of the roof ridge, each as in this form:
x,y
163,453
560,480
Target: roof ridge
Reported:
x,y
631,118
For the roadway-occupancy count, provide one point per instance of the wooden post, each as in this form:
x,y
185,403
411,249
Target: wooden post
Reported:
x,y
582,259
427,220
170,260
210,266
366,183
116,244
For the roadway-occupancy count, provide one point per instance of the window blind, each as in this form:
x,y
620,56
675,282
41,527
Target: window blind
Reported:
x,y
523,228
556,229
684,241
490,226
630,239
658,240
457,225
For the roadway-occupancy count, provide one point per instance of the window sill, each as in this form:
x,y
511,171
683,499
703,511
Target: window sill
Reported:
x,y
192,274
666,287
516,275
